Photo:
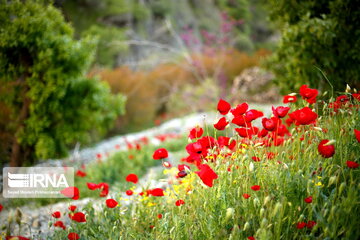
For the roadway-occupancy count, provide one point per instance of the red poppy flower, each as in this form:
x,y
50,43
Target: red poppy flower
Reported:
x,y
59,224
98,156
326,151
255,187
183,167
92,186
78,217
80,173
280,111
246,196
179,202
270,155
270,124
308,94
56,214
73,236
225,141
207,175
196,132
160,216
308,199
303,116
356,96
289,99
342,99
221,124
72,208
263,133
251,238
156,192
240,109
132,178
247,132
300,225
256,159
253,114
182,174
352,164
357,135
16,238
1,207
160,154
111,203
166,164
282,130
310,224
223,107
71,192
241,121
104,189
129,192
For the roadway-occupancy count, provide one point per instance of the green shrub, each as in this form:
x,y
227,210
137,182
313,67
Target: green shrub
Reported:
x,y
317,35
51,104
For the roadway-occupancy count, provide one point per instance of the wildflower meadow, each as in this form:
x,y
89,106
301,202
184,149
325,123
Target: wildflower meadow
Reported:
x,y
180,120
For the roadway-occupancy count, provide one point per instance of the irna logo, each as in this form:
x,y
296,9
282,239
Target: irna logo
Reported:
x,y
34,180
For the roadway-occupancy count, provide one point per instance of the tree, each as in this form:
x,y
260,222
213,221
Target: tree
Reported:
x,y
49,102
317,35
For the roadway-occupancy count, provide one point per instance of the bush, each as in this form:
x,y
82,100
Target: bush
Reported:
x,y
149,92
49,103
317,34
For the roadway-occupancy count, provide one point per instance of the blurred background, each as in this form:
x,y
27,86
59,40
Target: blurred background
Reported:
x,y
77,71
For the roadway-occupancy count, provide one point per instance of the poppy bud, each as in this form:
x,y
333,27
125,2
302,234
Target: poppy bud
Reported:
x,y
182,174
229,213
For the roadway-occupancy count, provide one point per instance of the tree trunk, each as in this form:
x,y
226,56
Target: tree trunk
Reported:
x,y
16,150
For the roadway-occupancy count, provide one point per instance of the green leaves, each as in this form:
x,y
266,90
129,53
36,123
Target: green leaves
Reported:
x,y
42,63
316,35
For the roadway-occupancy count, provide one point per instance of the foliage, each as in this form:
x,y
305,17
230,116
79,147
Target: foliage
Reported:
x,y
317,34
51,104
149,92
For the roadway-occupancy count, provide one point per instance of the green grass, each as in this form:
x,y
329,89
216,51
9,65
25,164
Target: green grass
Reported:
x,y
112,171
221,212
